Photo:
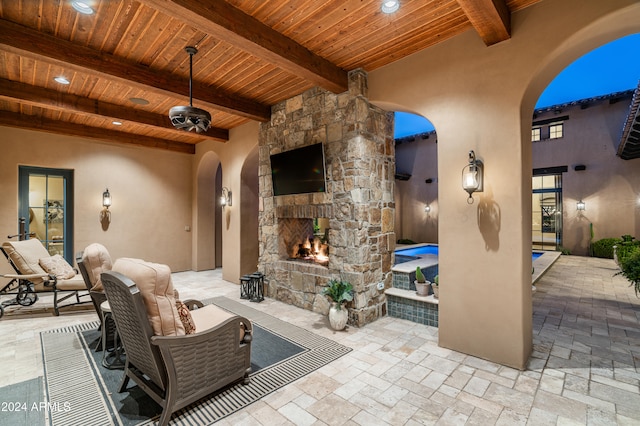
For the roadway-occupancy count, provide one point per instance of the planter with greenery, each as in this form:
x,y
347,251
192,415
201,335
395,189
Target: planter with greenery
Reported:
x,y
339,293
422,285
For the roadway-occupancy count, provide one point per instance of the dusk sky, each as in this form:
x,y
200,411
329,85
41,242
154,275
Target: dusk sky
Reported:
x,y
614,67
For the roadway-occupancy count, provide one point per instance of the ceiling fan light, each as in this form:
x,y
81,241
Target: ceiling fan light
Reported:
x,y
190,118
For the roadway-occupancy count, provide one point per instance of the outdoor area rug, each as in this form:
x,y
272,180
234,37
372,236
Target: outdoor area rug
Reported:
x,y
87,393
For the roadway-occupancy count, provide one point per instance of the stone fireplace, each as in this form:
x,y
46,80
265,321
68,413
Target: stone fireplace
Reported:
x,y
351,223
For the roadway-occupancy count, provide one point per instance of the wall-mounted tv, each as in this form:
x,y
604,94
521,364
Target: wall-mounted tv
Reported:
x,y
298,171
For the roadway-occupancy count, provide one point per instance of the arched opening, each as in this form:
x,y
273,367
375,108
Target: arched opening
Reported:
x,y
249,213
575,134
416,179
207,224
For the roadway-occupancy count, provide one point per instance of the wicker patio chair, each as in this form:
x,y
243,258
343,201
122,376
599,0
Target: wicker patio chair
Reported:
x,y
93,261
177,370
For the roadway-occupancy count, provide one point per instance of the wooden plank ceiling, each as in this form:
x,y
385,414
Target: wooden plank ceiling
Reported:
x,y
252,54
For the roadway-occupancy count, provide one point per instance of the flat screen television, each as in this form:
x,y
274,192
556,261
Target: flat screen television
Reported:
x,y
298,171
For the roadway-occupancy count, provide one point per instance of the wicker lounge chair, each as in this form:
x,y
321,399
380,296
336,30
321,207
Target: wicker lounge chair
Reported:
x,y
27,258
177,370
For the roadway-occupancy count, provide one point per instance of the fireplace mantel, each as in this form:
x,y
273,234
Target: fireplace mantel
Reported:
x,y
309,211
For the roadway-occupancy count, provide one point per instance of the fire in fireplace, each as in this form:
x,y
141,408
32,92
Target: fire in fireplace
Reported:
x,y
313,250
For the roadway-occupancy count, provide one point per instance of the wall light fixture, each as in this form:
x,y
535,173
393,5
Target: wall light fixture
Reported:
x,y
106,198
105,214
473,176
226,197
580,205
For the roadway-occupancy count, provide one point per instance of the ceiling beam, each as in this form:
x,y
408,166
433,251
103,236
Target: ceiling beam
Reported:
x,y
225,22
490,18
65,102
39,123
28,42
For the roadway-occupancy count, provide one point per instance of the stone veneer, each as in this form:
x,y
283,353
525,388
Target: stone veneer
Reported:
x,y
360,165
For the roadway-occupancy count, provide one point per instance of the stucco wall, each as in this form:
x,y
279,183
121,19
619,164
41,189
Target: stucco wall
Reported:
x,y
609,186
237,246
151,191
482,98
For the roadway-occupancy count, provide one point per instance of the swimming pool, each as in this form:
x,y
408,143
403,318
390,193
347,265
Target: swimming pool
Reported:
x,y
433,249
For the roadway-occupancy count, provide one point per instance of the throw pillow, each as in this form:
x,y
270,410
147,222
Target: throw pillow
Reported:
x,y
56,265
185,317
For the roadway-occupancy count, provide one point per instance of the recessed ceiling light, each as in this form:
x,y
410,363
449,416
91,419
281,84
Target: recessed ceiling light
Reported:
x,y
139,101
390,6
117,123
61,80
82,7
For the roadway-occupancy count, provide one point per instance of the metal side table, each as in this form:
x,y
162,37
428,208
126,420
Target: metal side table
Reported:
x,y
113,356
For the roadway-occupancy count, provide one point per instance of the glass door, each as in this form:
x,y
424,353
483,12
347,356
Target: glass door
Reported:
x,y
46,202
546,203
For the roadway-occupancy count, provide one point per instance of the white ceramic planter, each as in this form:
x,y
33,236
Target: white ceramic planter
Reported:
x,y
422,289
435,291
338,317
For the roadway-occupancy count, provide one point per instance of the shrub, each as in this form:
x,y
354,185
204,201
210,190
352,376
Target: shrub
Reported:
x,y
626,248
604,247
406,241
630,267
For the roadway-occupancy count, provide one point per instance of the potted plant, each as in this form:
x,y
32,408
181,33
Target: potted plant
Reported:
x,y
435,285
422,285
339,292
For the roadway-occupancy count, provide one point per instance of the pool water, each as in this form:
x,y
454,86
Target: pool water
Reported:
x,y
432,249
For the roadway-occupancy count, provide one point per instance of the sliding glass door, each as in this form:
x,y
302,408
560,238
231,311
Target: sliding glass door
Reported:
x,y
46,202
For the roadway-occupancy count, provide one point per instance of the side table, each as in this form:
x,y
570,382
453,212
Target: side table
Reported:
x,y
113,356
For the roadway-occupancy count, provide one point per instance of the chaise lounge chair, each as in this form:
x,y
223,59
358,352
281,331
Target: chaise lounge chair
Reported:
x,y
37,271
173,368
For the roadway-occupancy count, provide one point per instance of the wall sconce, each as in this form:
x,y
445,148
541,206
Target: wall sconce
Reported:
x,y
225,198
427,208
105,214
106,199
580,205
473,176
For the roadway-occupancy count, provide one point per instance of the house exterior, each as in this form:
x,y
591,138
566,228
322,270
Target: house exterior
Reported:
x,y
574,159
478,98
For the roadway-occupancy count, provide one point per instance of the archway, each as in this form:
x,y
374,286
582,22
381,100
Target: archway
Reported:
x,y
207,224
575,134
416,179
249,213
482,99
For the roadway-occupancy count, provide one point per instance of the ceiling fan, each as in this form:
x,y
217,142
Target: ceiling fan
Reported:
x,y
189,117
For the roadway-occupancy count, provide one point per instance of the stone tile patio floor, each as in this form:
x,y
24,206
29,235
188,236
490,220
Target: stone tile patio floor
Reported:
x,y
585,368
